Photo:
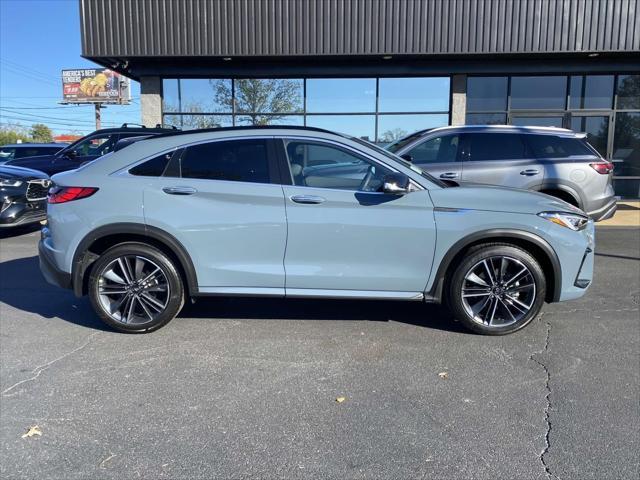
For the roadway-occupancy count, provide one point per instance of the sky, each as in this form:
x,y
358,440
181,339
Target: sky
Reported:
x,y
39,38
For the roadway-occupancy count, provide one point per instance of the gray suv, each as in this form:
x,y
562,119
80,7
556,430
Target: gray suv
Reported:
x,y
554,161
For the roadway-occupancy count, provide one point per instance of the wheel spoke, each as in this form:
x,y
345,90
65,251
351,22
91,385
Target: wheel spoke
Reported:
x,y
124,269
145,308
486,266
518,302
139,265
130,308
516,276
506,307
517,288
159,306
479,294
104,291
503,268
493,310
114,277
151,276
472,277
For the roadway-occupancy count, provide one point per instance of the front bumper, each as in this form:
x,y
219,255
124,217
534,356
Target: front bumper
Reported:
x,y
23,213
52,274
577,262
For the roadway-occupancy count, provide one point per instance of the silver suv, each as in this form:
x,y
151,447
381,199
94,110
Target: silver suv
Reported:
x,y
554,161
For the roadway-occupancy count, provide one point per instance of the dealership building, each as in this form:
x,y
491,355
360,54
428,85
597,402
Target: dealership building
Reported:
x,y
378,69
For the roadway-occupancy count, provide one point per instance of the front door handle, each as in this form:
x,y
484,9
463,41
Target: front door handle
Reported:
x,y
307,199
449,175
179,190
530,172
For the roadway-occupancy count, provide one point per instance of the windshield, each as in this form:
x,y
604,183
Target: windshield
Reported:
x,y
400,160
398,144
7,153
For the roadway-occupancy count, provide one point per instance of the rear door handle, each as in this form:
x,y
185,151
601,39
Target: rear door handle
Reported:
x,y
179,190
530,172
449,175
307,199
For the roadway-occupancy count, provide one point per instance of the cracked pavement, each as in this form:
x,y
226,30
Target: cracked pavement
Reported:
x,y
241,388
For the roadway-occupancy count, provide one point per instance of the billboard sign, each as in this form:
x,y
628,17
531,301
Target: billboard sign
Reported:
x,y
94,85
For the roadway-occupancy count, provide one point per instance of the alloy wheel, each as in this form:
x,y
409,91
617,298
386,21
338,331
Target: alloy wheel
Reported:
x,y
133,290
498,291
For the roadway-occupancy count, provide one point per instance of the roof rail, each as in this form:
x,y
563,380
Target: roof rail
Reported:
x,y
248,127
127,125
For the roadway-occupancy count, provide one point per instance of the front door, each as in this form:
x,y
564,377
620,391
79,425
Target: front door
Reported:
x,y
440,156
500,158
223,202
345,238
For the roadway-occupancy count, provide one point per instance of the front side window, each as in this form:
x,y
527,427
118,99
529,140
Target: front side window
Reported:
x,y
495,146
232,160
326,166
96,146
442,149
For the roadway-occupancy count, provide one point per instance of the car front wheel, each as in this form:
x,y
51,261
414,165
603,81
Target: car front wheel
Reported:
x,y
135,287
497,289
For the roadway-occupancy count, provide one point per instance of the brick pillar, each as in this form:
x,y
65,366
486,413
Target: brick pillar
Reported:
x,y
458,99
151,101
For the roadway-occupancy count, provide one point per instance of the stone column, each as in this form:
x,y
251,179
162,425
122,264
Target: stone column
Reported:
x,y
151,101
458,99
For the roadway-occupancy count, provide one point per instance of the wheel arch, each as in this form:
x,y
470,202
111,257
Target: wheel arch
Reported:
x,y
102,238
534,244
565,189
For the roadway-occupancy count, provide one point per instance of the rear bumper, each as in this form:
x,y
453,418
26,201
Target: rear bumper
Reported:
x,y
52,274
605,211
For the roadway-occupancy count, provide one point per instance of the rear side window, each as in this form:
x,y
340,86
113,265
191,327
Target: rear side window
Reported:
x,y
495,146
234,160
152,168
551,146
436,150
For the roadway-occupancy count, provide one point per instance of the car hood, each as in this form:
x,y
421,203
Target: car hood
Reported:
x,y
31,161
498,199
10,172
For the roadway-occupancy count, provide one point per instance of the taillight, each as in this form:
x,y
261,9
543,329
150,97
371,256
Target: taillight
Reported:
x,y
602,167
68,194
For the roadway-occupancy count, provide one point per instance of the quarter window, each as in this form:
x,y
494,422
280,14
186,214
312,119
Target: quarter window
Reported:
x,y
495,146
234,160
152,168
436,150
551,146
326,166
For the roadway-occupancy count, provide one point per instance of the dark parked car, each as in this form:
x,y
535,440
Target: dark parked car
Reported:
x,y
23,196
554,161
86,149
22,150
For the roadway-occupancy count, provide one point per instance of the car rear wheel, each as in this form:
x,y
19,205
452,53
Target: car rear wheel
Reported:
x,y
497,289
135,287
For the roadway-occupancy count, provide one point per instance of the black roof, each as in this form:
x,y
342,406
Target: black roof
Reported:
x,y
138,129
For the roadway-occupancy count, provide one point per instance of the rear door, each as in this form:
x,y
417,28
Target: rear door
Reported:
x,y
500,158
222,200
440,156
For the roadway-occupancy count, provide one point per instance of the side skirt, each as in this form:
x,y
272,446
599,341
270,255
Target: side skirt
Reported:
x,y
309,293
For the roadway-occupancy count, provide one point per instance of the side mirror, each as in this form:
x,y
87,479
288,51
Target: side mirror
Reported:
x,y
396,184
407,157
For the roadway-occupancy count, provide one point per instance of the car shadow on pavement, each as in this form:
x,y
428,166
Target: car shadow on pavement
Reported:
x,y
9,232
23,287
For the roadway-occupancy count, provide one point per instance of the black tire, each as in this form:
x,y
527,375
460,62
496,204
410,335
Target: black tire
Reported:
x,y
503,294
174,297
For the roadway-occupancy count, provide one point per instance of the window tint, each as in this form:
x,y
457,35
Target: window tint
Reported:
x,y
550,146
98,146
7,153
152,168
486,119
592,91
495,146
538,92
436,150
486,93
325,166
234,160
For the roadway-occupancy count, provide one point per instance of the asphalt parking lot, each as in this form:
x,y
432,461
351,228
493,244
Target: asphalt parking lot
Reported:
x,y
247,388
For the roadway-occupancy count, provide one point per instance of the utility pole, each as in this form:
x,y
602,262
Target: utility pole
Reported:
x,y
97,105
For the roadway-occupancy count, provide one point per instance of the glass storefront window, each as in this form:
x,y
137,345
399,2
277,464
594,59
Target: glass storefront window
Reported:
x,y
361,126
537,93
191,122
523,121
336,95
261,119
628,92
394,127
486,119
268,95
487,93
413,94
626,145
170,95
597,130
205,95
592,91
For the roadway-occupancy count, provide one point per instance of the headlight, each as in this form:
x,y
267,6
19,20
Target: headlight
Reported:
x,y
564,219
10,183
